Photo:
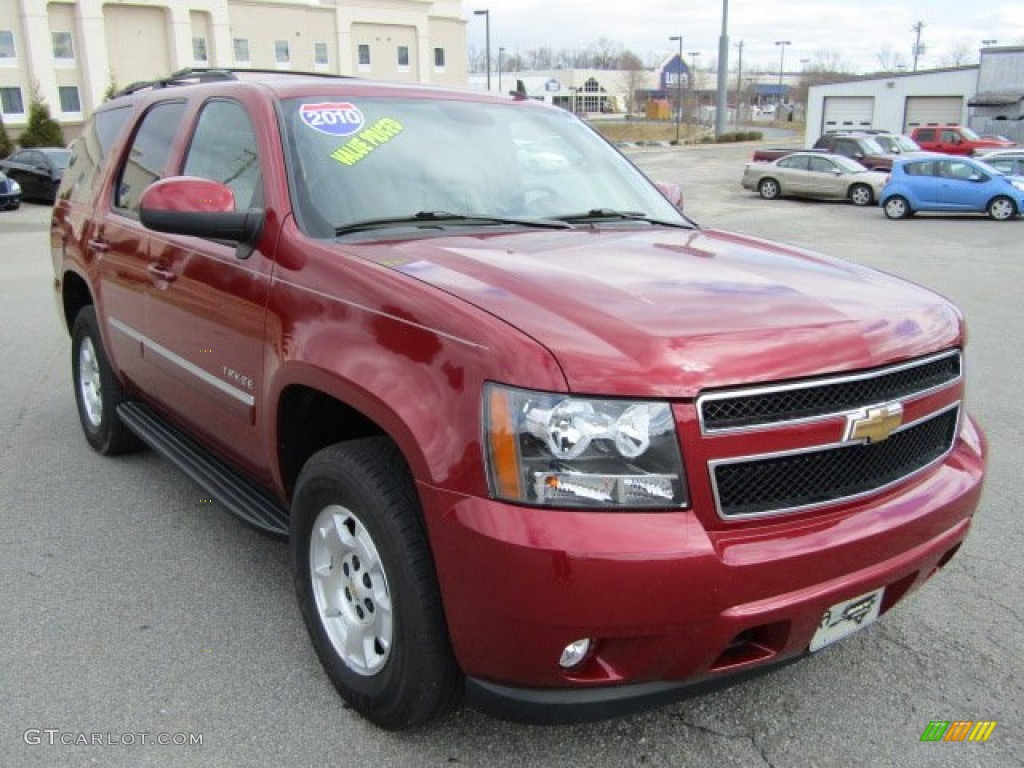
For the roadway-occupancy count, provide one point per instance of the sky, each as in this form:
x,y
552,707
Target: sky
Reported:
x,y
854,32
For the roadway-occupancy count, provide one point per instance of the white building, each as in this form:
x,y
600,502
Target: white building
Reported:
x,y
987,97
73,50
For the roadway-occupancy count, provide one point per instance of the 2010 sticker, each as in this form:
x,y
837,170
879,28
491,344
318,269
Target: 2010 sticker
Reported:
x,y
335,118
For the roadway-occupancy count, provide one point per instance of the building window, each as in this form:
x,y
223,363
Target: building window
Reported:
x,y
364,58
320,56
69,100
7,52
241,50
11,102
281,53
439,58
199,49
63,48
403,58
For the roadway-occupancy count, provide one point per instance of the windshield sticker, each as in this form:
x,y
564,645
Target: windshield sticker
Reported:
x,y
336,118
358,147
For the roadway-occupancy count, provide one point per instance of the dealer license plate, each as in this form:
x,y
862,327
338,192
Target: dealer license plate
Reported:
x,y
847,617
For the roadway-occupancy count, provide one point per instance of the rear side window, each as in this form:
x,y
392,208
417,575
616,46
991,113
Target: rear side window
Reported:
x,y
926,134
224,149
150,150
90,152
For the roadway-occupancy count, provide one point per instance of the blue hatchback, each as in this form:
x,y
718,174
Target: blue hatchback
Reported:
x,y
954,184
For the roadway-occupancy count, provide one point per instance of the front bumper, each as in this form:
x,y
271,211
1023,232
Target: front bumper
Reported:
x,y
668,602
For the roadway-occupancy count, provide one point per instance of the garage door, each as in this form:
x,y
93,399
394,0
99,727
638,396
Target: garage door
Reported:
x,y
933,110
848,113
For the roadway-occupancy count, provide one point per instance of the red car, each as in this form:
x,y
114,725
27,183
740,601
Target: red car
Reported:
x,y
533,435
955,140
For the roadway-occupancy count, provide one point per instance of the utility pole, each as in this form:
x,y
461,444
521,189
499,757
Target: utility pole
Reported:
x,y
918,50
739,85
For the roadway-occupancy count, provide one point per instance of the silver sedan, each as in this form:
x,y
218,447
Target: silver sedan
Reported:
x,y
814,174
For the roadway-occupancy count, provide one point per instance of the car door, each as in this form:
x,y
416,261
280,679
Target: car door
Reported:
x,y
205,306
792,173
824,179
119,245
962,186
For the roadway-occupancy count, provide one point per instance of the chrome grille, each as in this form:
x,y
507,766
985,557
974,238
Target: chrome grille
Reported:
x,y
743,409
830,474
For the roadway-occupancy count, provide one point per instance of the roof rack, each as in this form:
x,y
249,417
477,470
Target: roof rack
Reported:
x,y
193,75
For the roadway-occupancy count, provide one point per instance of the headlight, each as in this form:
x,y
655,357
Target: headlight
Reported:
x,y
15,186
555,450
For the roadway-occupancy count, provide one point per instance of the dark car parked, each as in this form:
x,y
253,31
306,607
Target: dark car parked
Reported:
x,y
38,171
10,193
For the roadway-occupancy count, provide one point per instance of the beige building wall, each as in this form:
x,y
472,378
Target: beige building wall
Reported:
x,y
74,50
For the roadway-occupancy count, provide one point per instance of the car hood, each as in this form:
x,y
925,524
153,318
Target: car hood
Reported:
x,y
668,312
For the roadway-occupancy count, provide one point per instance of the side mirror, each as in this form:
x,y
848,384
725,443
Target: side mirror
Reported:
x,y
187,205
672,192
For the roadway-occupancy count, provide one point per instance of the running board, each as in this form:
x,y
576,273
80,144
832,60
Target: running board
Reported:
x,y
241,496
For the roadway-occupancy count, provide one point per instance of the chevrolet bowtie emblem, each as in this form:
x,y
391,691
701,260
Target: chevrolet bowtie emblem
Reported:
x,y
873,425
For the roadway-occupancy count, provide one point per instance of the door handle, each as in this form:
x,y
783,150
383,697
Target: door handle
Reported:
x,y
99,246
160,272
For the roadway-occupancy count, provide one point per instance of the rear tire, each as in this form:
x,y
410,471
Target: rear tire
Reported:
x,y
897,207
366,585
97,389
1001,208
861,195
769,189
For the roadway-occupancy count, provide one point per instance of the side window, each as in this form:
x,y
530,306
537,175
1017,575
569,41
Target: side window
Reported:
x,y
821,165
88,155
847,148
926,134
150,150
950,137
224,149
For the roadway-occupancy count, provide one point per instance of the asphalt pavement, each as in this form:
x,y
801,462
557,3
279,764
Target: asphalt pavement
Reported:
x,y
136,611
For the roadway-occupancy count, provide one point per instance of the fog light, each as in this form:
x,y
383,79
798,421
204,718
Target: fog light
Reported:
x,y
574,653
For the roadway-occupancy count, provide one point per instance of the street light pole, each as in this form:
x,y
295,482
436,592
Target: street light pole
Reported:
x,y
739,85
679,86
722,92
500,52
782,60
693,83
487,28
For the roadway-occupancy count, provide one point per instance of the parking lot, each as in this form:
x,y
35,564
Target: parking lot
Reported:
x,y
132,605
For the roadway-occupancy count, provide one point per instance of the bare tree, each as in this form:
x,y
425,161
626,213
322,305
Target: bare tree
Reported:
x,y
889,60
633,78
960,54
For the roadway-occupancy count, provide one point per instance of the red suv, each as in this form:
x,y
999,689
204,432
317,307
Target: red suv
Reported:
x,y
534,437
955,140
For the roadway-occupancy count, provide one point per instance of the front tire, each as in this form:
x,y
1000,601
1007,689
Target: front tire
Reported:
x,y
97,389
366,585
861,195
897,207
769,189
1001,208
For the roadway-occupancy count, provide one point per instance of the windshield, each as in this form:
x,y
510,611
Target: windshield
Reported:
x,y
370,159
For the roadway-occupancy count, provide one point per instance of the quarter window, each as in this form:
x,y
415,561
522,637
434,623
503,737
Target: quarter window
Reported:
x,y
151,148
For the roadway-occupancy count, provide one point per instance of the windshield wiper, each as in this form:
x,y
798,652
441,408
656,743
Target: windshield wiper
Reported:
x,y
430,218
610,214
